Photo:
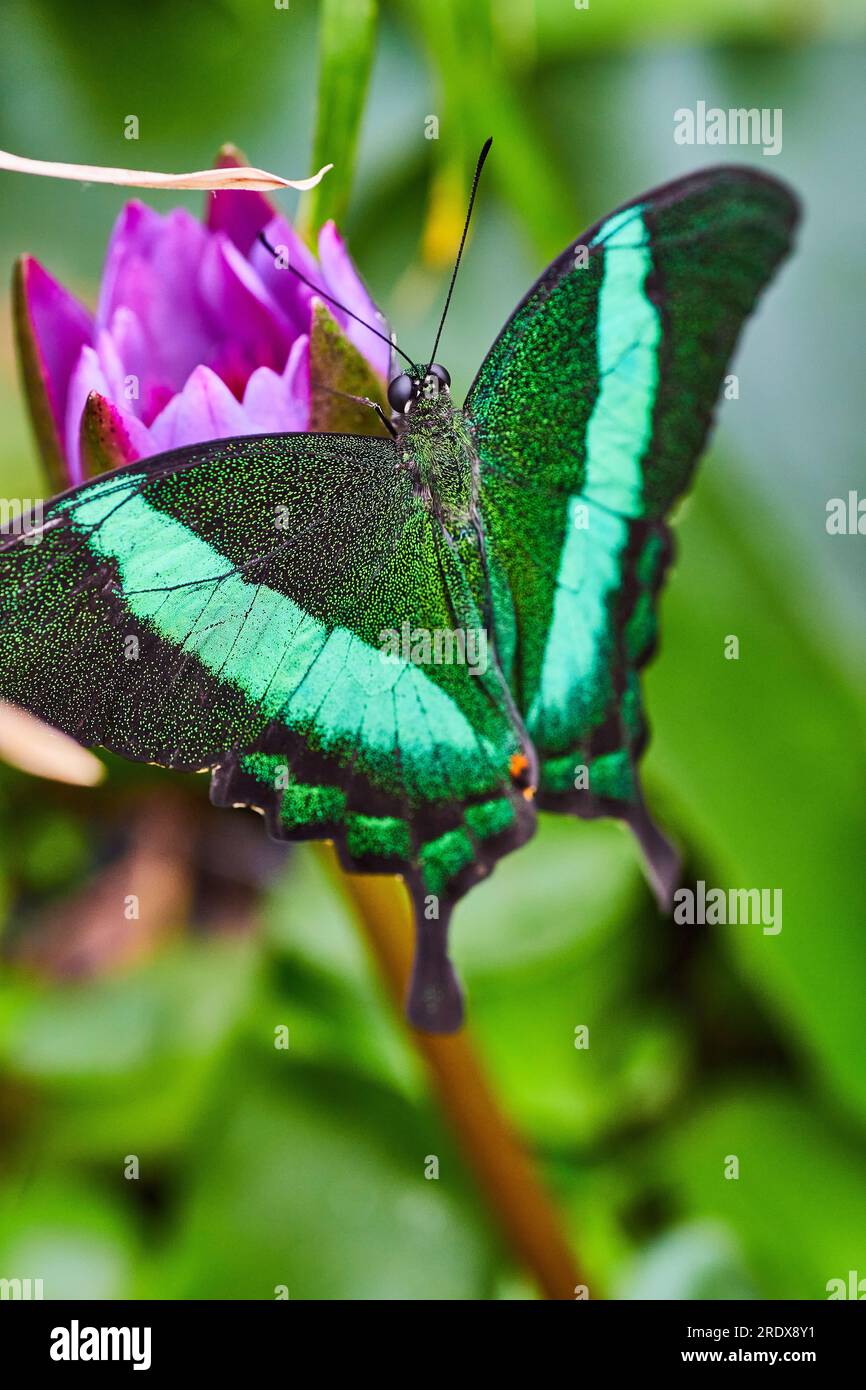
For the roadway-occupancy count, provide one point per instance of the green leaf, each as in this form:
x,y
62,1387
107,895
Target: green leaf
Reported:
x,y
571,887
71,1235
555,942
347,30
562,28
697,1261
481,98
797,1208
320,1182
124,1064
325,985
763,759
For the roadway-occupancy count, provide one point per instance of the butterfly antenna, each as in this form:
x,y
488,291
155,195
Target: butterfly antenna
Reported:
x,y
485,150
323,294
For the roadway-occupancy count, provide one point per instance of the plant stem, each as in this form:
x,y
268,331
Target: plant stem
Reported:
x,y
506,1174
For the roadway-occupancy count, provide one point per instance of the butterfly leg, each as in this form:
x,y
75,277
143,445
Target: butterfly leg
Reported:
x,y
363,400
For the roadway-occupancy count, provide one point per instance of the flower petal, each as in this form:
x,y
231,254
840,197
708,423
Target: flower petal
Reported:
x,y
280,404
249,329
124,353
86,376
37,748
152,268
51,329
193,300
240,215
205,409
342,280
108,438
292,295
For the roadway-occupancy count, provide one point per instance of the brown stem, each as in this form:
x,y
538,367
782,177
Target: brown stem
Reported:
x,y
505,1173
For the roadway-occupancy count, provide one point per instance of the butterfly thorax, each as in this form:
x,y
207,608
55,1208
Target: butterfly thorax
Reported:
x,y
436,448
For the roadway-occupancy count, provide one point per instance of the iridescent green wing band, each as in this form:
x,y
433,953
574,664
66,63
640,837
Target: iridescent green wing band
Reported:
x,y
589,414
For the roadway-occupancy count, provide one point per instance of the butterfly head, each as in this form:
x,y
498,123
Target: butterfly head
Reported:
x,y
418,383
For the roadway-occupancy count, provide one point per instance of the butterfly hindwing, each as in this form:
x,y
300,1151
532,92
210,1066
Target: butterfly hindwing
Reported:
x,y
251,606
588,415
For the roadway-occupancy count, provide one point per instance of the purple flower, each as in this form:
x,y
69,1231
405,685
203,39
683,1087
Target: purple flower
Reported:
x,y
198,334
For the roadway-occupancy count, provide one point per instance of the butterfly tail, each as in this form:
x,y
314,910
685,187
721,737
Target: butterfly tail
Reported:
x,y
434,1002
662,863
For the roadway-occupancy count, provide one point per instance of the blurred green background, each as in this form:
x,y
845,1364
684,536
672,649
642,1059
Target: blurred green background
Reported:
x,y
305,1167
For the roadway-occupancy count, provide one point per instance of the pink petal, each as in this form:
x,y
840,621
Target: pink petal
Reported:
x,y
257,332
240,215
89,375
280,404
112,366
293,296
60,327
143,392
152,269
205,409
345,284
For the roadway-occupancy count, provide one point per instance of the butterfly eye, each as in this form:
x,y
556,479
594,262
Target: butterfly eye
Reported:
x,y
401,391
440,373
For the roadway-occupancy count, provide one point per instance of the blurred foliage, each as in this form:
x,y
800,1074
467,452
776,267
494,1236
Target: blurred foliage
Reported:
x,y
263,1167
347,38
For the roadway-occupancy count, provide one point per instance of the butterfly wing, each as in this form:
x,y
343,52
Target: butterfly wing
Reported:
x,y
246,606
589,414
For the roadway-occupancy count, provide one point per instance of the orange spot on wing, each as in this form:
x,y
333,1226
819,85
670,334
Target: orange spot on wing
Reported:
x,y
518,766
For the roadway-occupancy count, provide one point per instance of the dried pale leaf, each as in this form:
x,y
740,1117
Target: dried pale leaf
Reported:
x,y
28,744
231,177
